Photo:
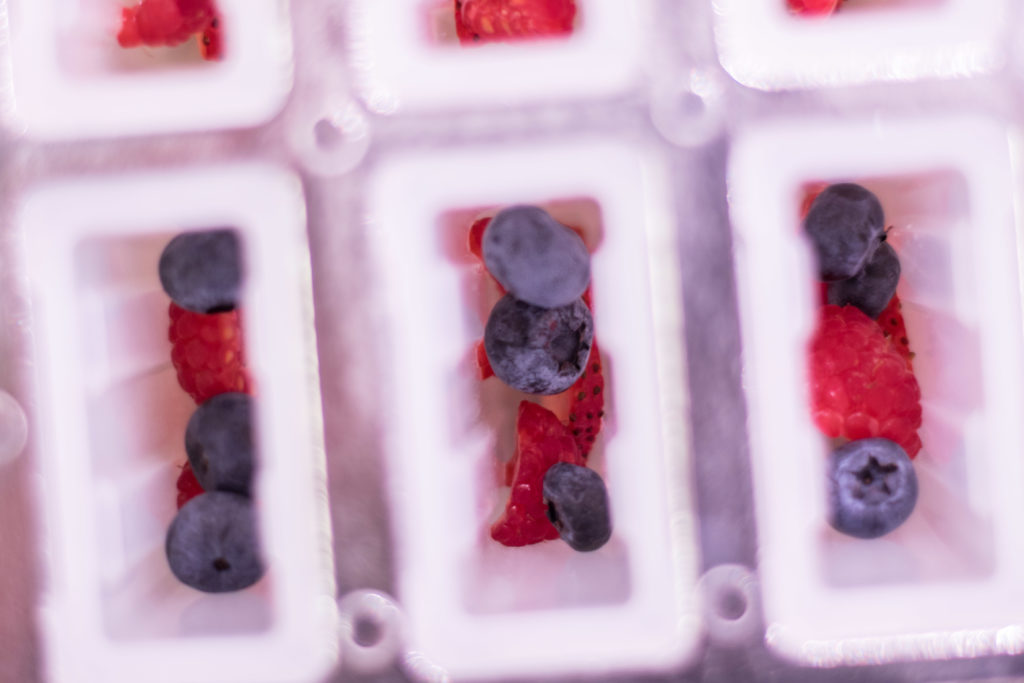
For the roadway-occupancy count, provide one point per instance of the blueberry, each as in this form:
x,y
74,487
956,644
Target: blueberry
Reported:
x,y
872,288
202,271
538,350
872,487
212,544
577,505
845,224
536,258
219,443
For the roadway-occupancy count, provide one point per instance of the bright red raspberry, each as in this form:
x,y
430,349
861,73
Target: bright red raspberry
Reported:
x,y
163,22
494,20
188,486
541,441
586,406
476,237
207,352
861,385
891,321
483,363
812,7
211,43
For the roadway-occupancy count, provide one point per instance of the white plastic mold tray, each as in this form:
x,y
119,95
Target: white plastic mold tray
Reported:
x,y
407,57
477,608
110,420
72,80
955,565
763,46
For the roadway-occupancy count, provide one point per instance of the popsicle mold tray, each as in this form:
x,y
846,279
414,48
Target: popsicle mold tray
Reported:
x,y
350,145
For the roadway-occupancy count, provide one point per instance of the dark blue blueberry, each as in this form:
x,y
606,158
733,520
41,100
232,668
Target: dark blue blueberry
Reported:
x,y
578,505
212,544
219,443
536,258
872,288
538,350
872,487
845,224
202,271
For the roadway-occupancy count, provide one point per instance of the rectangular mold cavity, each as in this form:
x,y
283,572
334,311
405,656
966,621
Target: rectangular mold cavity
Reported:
x,y
762,45
629,605
409,59
71,79
945,186
111,418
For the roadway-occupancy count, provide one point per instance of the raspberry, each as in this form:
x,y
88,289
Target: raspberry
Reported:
x,y
891,320
211,44
461,30
163,22
861,385
586,408
207,352
188,486
812,7
482,364
476,237
490,20
541,441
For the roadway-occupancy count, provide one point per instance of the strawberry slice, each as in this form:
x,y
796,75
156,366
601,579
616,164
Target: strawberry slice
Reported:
x,y
586,406
541,441
188,486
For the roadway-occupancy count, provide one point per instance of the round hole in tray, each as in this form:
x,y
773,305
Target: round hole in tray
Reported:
x,y
327,135
731,604
366,630
372,630
730,597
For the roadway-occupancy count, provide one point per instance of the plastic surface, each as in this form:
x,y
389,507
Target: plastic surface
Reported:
x,y
351,142
628,605
111,423
956,562
764,46
71,79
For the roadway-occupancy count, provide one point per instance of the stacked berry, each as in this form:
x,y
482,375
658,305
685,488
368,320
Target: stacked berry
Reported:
x,y
157,23
539,339
813,7
478,21
212,544
863,387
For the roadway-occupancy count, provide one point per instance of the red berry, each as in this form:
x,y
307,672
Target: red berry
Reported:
x,y
476,237
211,44
207,352
811,7
541,441
483,364
861,385
461,30
586,403
188,486
891,320
811,193
489,20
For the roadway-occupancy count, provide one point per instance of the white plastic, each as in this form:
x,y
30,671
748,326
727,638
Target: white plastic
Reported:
x,y
110,420
945,185
763,46
476,608
72,80
406,62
